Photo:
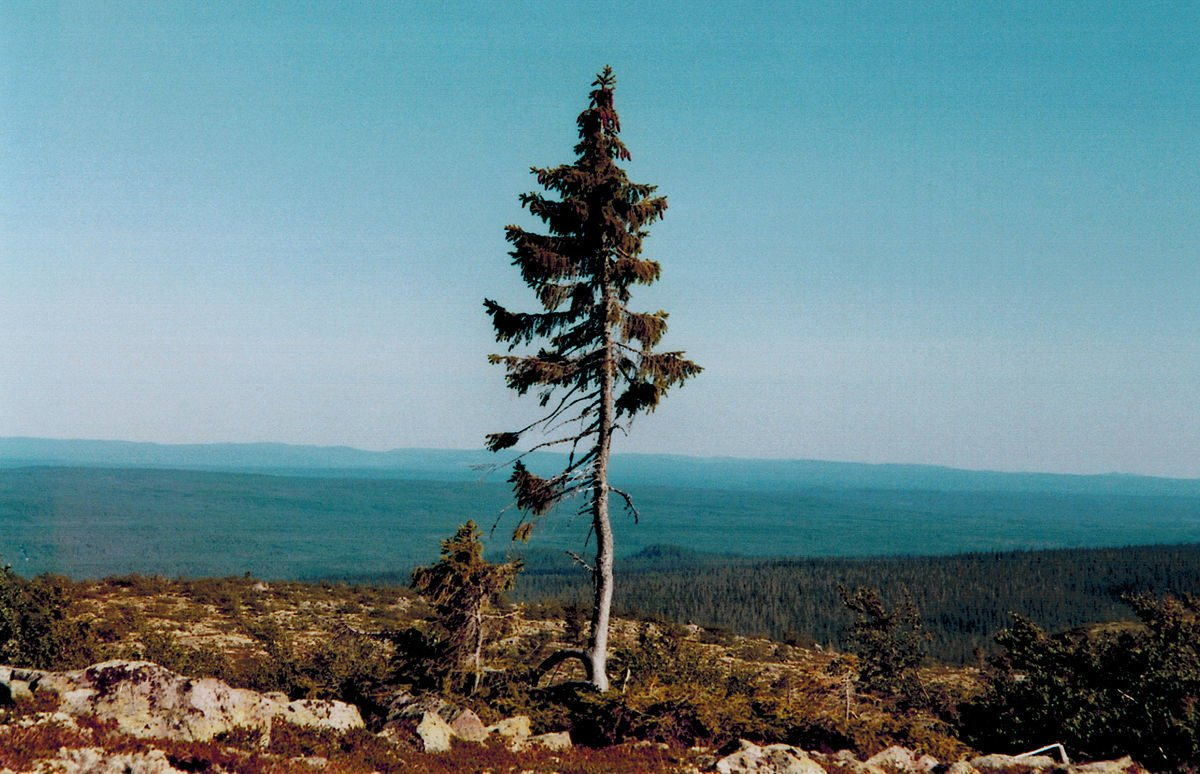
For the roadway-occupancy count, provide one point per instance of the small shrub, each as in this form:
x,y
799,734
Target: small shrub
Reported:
x,y
1104,694
227,595
36,626
890,644
463,589
164,649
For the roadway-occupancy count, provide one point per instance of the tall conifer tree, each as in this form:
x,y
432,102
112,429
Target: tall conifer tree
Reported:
x,y
595,367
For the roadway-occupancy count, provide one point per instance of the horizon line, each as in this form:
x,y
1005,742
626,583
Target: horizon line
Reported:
x,y
616,453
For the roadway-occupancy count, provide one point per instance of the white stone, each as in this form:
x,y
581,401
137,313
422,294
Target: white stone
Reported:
x,y
435,734
516,727
773,759
559,740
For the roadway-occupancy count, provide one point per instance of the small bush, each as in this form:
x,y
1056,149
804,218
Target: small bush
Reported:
x,y
1133,691
164,649
890,644
36,626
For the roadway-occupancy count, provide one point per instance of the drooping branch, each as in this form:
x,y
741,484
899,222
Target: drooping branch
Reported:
x,y
647,329
637,516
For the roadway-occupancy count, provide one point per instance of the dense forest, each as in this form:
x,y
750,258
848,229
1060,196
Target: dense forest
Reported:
x,y
964,599
94,522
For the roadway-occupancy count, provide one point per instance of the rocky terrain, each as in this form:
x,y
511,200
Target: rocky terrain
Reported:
x,y
237,675
136,716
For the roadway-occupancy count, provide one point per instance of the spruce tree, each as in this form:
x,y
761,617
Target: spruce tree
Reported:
x,y
463,588
595,367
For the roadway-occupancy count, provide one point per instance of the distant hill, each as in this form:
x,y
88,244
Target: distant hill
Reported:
x,y
724,473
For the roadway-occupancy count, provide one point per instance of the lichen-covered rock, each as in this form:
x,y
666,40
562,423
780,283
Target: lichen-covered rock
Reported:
x,y
961,767
146,700
844,762
317,713
1007,762
517,727
559,740
435,734
894,759
93,760
1124,765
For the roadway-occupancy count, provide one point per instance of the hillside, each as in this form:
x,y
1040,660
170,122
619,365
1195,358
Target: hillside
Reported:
x,y
299,639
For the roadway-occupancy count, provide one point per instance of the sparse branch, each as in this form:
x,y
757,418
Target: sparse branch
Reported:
x,y
587,431
579,560
637,516
562,405
540,446
499,516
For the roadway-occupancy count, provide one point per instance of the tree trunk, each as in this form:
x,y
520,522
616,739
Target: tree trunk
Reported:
x,y
602,602
477,656
597,650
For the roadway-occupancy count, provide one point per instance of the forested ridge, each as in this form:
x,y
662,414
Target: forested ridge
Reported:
x,y
964,599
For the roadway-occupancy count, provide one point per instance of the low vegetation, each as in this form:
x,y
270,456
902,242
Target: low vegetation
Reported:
x,y
1126,688
1103,691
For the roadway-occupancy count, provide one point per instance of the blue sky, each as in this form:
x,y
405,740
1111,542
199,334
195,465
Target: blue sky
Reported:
x,y
959,233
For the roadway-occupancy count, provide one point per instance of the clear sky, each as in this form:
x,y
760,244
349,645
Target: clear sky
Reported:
x,y
952,233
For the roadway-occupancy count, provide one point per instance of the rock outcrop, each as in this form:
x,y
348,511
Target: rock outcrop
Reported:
x,y
148,701
780,758
141,699
436,723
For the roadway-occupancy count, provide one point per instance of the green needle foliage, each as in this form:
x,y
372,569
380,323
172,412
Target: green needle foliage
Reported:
x,y
1106,692
890,644
595,366
464,589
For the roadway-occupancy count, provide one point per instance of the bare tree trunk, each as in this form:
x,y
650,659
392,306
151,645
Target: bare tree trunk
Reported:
x,y
477,656
602,601
597,650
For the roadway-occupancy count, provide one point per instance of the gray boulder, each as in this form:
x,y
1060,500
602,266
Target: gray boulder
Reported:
x,y
558,740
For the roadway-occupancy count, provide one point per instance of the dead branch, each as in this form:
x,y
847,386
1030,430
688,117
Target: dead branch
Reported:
x,y
628,503
579,560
